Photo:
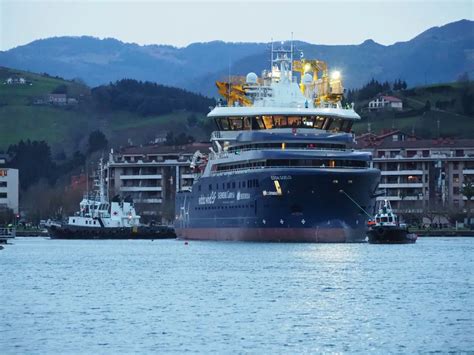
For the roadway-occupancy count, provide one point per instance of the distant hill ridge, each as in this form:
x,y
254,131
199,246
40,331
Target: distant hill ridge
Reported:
x,y
439,54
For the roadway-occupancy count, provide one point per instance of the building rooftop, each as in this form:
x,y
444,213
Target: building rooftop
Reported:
x,y
391,98
425,143
165,149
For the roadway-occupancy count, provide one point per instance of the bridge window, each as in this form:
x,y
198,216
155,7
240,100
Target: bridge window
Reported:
x,y
235,123
268,121
280,121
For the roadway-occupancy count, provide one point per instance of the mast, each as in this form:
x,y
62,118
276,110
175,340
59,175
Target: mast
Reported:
x,y
282,63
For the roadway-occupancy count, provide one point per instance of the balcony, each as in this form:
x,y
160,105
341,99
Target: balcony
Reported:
x,y
187,176
149,200
139,188
468,171
401,172
401,185
399,198
390,198
140,177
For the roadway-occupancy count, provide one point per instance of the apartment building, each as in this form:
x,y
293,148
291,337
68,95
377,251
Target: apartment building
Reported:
x,y
151,176
9,189
419,174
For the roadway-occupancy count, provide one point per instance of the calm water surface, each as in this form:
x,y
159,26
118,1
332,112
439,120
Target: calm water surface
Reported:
x,y
164,296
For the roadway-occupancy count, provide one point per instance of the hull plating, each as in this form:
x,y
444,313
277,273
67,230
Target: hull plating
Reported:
x,y
313,206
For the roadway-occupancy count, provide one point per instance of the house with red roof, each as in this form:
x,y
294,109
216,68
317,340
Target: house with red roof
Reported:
x,y
385,102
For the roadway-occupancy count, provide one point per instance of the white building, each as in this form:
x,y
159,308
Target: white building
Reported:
x,y
9,189
58,99
417,174
16,81
151,175
386,102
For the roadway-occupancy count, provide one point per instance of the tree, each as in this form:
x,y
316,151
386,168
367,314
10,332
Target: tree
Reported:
x,y
463,78
97,141
468,192
60,89
192,120
33,159
148,98
428,105
6,216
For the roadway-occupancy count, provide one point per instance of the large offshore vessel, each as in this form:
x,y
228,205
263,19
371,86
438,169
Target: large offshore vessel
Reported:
x,y
281,167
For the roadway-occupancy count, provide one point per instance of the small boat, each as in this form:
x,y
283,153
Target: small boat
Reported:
x,y
99,219
7,233
385,228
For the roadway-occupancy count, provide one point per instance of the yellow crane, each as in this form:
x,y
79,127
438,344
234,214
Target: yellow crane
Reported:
x,y
233,91
316,83
327,88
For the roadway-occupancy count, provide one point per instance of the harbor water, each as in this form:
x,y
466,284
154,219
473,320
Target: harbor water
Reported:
x,y
139,296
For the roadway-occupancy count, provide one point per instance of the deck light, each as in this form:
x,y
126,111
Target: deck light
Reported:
x,y
336,75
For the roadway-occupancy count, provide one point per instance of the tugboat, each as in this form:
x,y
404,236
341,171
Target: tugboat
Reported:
x,y
7,233
99,219
386,228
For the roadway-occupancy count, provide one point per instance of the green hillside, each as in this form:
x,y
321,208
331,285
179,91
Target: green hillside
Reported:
x,y
66,128
429,111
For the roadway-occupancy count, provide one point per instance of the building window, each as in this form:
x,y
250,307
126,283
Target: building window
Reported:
x,y
3,184
455,177
455,190
3,195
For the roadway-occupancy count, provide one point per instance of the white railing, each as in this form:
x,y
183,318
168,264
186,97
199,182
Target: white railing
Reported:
x,y
226,154
288,167
140,188
142,177
402,172
400,185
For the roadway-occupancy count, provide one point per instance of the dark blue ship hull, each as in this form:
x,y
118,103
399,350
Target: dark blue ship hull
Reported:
x,y
315,205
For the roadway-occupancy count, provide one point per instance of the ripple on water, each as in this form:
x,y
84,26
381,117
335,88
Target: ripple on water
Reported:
x,y
138,296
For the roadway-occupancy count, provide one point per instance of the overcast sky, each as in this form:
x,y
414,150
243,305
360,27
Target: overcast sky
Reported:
x,y
182,22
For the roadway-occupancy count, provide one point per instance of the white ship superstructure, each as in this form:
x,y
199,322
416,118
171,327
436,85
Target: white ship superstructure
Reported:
x,y
280,160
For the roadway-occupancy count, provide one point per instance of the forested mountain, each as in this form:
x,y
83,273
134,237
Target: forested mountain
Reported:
x,y
146,98
439,54
125,111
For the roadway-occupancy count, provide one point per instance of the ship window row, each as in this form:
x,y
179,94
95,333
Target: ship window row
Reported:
x,y
251,183
287,146
283,121
223,207
320,163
